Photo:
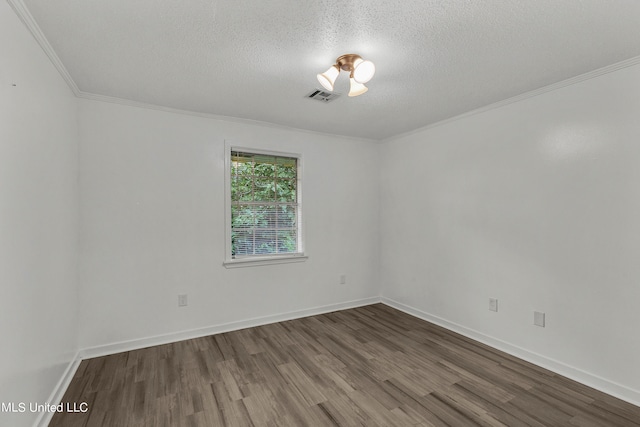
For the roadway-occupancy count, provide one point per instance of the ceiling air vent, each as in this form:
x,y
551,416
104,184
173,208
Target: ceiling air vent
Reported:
x,y
322,95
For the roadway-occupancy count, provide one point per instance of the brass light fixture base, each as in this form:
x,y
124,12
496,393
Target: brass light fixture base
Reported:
x,y
346,62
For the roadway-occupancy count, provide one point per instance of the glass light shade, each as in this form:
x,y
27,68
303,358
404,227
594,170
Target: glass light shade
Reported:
x,y
328,78
363,71
356,88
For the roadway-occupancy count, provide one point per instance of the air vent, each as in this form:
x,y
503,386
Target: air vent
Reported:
x,y
322,95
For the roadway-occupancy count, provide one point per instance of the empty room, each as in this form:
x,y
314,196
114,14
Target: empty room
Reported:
x,y
293,213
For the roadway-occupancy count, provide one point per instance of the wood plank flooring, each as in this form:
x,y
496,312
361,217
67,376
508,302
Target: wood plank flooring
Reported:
x,y
369,366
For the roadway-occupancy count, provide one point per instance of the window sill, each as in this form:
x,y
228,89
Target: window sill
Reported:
x,y
253,262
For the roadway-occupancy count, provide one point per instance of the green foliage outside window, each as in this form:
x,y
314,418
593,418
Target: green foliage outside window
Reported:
x,y
264,205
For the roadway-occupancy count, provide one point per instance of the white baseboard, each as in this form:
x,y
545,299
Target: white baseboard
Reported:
x,y
620,391
44,418
610,387
104,350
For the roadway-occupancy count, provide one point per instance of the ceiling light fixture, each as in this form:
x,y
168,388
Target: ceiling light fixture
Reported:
x,y
360,72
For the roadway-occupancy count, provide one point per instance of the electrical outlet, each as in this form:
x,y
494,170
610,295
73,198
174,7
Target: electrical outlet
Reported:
x,y
343,279
538,318
493,304
182,300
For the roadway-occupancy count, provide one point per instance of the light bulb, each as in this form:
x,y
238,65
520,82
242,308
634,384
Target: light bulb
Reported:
x,y
356,88
363,71
328,78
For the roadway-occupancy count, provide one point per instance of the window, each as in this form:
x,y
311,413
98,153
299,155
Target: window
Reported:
x,y
264,209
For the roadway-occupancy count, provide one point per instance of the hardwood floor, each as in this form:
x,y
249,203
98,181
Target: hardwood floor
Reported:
x,y
369,366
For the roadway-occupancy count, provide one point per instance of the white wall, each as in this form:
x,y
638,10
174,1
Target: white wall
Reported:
x,y
38,221
537,204
152,215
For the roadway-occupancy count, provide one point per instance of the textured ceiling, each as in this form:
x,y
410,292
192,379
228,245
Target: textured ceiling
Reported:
x,y
257,59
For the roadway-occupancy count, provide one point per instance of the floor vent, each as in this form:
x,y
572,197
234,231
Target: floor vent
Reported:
x,y
322,95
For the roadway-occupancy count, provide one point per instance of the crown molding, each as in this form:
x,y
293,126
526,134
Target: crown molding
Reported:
x,y
23,13
127,102
25,16
526,95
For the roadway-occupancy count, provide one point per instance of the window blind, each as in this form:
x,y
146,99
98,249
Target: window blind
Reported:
x,y
264,205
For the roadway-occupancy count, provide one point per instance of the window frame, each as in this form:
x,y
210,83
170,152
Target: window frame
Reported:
x,y
256,260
